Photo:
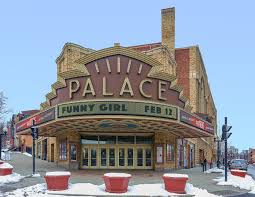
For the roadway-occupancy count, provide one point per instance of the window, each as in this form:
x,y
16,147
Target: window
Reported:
x,y
89,140
63,150
126,140
107,139
73,152
144,140
169,152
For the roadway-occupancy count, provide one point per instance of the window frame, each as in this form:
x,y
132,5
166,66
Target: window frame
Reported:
x,y
62,151
170,150
73,144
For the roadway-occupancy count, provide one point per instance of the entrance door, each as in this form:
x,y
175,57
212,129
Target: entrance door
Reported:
x,y
117,156
143,157
52,152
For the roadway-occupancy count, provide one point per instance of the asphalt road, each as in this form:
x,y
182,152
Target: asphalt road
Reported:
x,y
251,170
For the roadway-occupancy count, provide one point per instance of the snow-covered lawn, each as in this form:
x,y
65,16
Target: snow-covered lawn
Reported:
x,y
12,178
243,183
40,190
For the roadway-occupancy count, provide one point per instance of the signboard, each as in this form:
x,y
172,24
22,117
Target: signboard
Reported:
x,y
117,107
40,118
159,154
196,122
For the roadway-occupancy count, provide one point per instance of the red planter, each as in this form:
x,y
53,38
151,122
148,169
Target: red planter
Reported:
x,y
116,182
5,171
240,173
57,182
175,183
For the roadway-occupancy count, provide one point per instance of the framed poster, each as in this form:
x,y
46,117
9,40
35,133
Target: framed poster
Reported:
x,y
159,154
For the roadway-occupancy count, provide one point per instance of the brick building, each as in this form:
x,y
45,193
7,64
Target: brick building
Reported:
x,y
138,107
251,156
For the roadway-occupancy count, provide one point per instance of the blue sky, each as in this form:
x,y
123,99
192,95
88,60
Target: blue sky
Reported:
x,y
32,35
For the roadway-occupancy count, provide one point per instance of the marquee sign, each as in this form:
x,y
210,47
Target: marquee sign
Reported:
x,y
195,122
40,118
117,107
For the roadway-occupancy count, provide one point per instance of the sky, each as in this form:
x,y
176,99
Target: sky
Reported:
x,y
32,34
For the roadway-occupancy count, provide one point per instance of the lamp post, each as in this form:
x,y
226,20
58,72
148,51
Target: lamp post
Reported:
x,y
3,132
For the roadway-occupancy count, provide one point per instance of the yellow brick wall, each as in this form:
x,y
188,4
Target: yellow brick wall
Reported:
x,y
164,139
72,137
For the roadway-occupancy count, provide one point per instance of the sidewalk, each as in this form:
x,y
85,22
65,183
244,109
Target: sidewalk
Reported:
x,y
23,165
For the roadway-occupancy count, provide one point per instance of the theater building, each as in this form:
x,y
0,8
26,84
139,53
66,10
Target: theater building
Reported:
x,y
138,107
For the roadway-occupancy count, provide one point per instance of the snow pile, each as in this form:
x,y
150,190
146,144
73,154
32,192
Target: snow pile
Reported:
x,y
27,154
58,173
243,183
12,178
117,175
190,189
81,189
5,166
36,175
214,170
3,156
176,175
35,190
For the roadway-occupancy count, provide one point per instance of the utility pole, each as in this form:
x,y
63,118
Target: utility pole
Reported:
x,y
34,133
225,136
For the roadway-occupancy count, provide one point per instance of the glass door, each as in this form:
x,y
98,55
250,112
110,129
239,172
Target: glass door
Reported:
x,y
130,157
85,160
139,158
111,157
93,156
148,157
122,157
103,158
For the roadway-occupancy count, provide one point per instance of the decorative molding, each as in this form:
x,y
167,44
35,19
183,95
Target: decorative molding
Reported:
x,y
157,71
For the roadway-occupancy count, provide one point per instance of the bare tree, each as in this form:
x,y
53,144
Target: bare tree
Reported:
x,y
3,105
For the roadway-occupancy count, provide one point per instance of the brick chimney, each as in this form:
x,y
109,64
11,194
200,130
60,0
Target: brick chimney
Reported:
x,y
168,28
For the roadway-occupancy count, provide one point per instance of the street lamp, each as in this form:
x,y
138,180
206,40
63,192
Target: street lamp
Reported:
x,y
3,132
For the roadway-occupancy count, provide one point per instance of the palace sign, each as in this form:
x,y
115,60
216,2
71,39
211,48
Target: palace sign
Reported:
x,y
117,77
117,108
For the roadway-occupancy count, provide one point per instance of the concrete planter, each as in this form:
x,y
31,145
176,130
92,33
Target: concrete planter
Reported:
x,y
175,183
5,169
116,182
57,180
240,173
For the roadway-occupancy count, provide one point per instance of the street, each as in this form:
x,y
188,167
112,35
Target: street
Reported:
x,y
251,170
23,165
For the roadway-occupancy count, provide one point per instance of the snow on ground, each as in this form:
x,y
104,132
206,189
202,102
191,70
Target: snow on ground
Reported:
x,y
12,178
36,175
5,165
58,173
214,170
40,190
2,156
27,154
243,183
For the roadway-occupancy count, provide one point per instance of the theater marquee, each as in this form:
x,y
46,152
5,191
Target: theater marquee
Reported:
x,y
117,107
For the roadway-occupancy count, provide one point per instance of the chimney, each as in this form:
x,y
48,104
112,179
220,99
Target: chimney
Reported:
x,y
168,28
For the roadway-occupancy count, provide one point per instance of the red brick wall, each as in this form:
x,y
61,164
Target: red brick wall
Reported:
x,y
182,59
145,47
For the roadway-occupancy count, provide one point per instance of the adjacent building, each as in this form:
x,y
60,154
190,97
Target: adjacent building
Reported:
x,y
251,156
137,107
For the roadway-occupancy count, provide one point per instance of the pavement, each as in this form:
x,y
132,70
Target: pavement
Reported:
x,y
23,165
